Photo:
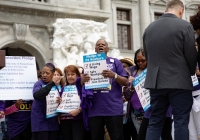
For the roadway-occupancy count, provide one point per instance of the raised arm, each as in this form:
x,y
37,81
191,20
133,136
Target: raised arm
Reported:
x,y
42,92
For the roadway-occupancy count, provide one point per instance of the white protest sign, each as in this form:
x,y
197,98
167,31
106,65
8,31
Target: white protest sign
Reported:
x,y
195,81
70,100
143,94
17,78
51,104
94,64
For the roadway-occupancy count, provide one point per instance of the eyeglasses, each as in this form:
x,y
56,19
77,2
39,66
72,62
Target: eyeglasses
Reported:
x,y
142,61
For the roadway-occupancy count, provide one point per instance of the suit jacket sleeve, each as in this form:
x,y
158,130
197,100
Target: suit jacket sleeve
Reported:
x,y
190,51
144,47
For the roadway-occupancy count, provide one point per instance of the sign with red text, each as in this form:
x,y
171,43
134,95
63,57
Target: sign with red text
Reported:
x,y
143,94
94,65
51,102
70,100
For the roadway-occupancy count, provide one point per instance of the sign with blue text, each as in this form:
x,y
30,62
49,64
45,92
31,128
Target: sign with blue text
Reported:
x,y
70,100
94,64
51,102
143,94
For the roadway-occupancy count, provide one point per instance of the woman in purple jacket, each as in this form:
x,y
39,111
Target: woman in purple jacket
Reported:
x,y
71,123
44,128
131,95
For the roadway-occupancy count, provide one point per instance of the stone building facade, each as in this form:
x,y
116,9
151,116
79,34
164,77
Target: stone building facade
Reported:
x,y
26,26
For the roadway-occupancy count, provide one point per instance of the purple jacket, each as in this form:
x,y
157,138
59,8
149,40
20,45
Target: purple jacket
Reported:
x,y
39,122
2,106
132,97
87,99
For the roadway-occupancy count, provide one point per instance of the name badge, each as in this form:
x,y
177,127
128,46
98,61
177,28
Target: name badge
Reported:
x,y
112,60
194,80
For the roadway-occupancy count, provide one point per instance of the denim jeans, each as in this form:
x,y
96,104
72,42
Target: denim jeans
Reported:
x,y
135,122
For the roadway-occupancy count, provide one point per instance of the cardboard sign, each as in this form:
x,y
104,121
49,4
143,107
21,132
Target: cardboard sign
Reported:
x,y
70,100
143,94
51,104
18,78
94,65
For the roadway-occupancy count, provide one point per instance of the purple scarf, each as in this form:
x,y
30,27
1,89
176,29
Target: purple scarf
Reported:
x,y
87,100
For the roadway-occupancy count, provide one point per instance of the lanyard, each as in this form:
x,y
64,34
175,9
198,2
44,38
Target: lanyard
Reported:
x,y
61,91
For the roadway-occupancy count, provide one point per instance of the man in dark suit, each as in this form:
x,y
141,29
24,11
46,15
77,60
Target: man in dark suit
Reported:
x,y
171,56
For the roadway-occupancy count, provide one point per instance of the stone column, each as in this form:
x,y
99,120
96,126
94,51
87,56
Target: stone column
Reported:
x,y
106,6
144,15
50,30
184,14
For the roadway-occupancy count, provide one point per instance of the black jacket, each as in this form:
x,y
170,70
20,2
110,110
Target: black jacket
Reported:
x,y
169,46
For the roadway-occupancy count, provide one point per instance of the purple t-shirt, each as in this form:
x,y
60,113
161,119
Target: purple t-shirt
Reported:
x,y
18,121
109,102
39,122
135,101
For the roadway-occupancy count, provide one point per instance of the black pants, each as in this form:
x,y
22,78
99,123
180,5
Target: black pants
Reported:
x,y
24,135
72,129
181,102
87,136
166,131
114,126
129,131
46,135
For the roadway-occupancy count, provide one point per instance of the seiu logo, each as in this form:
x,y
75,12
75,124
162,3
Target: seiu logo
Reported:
x,y
109,66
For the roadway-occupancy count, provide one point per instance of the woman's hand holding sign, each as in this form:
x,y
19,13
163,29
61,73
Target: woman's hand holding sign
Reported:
x,y
2,114
58,100
131,79
75,112
18,103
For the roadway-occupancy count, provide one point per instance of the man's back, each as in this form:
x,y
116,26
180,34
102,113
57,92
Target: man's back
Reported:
x,y
170,53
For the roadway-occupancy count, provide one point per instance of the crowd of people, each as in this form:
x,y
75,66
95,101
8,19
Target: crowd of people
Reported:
x,y
170,57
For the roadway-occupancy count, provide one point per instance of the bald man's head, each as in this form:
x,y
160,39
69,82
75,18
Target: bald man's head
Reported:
x,y
101,46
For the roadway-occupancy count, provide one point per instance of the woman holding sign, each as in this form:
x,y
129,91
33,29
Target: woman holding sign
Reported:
x,y
44,128
140,122
71,117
